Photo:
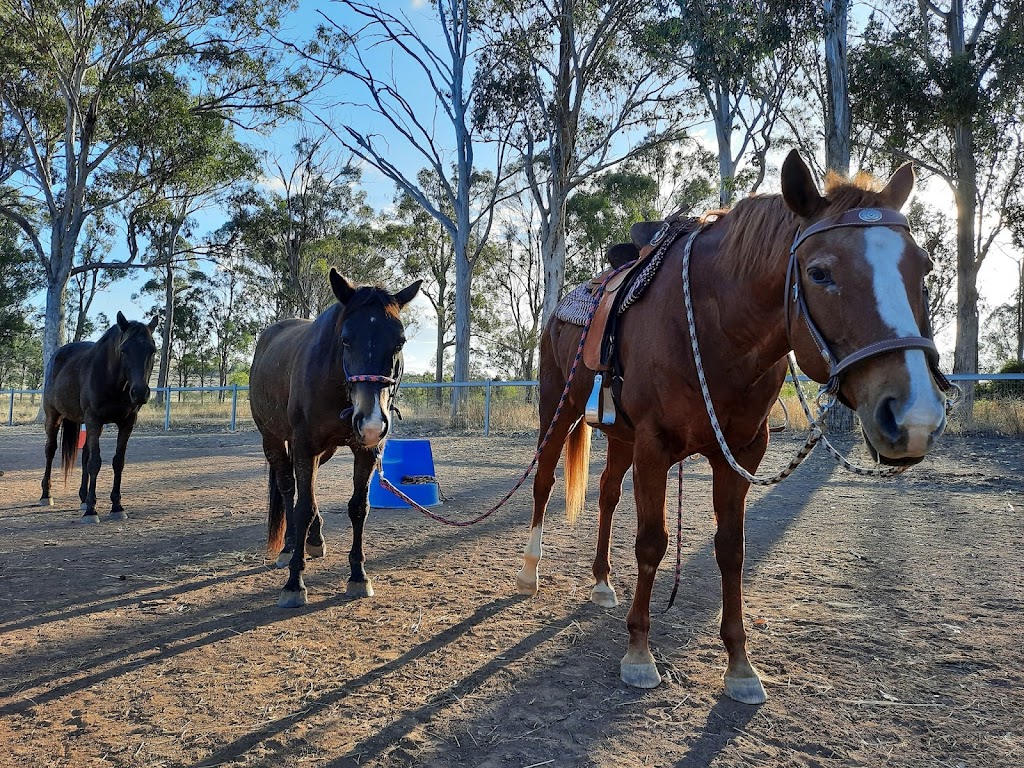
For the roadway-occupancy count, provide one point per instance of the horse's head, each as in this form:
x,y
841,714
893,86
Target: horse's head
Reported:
x,y
857,311
371,337
135,353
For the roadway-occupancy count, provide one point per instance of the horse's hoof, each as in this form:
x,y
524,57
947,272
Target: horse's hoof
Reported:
x,y
119,515
283,559
602,594
745,690
524,586
640,675
46,501
359,589
89,519
316,550
292,599
83,507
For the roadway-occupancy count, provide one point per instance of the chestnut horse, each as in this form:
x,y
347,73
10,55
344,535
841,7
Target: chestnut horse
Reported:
x,y
316,385
97,383
861,276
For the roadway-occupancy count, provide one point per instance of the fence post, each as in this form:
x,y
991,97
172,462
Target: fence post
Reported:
x,y
167,410
487,408
10,411
234,404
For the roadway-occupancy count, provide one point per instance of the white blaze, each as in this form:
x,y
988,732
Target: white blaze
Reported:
x,y
922,410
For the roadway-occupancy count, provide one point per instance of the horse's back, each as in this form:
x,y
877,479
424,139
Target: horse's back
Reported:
x,y
278,350
62,392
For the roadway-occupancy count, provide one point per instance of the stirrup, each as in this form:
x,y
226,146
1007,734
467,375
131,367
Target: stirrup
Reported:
x,y
596,413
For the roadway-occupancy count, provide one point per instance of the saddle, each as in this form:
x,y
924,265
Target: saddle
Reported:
x,y
600,351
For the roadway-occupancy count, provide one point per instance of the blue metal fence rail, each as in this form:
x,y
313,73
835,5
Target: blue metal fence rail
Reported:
x,y
487,385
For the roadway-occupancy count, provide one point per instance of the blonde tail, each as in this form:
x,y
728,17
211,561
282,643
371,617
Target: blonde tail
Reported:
x,y
577,470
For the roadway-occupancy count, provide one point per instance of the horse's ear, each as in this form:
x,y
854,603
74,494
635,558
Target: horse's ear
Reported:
x,y
623,253
122,322
342,288
798,187
642,232
899,186
407,294
154,323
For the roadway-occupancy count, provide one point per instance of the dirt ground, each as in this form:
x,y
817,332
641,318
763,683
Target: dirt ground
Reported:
x,y
885,616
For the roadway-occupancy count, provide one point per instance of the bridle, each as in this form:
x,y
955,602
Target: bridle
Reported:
x,y
855,217
392,383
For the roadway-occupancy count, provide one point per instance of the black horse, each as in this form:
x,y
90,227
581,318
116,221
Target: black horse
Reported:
x,y
97,383
314,386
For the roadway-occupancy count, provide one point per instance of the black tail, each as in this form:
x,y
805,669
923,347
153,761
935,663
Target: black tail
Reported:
x,y
68,447
275,514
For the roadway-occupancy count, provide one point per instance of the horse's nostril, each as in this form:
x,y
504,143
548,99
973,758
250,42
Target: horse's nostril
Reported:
x,y
885,420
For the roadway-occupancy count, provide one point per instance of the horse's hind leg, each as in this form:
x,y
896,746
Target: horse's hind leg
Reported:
x,y
650,466
83,487
92,441
124,431
359,584
282,494
620,457
53,420
315,545
742,681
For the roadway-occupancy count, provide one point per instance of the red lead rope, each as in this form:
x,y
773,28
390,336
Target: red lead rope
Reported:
x,y
387,484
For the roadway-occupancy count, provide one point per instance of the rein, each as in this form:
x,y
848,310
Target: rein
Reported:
x,y
379,457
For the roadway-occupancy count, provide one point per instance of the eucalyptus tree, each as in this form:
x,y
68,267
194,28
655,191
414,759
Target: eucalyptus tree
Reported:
x,y
306,214
210,163
19,277
85,284
579,85
941,84
87,86
433,60
743,55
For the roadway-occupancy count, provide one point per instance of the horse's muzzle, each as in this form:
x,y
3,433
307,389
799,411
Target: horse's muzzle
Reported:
x,y
371,430
139,395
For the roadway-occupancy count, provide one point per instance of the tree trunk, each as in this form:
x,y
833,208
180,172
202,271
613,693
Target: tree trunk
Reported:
x,y
837,119
168,328
722,113
553,253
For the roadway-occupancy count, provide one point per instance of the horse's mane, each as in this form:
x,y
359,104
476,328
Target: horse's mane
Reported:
x,y
367,293
761,228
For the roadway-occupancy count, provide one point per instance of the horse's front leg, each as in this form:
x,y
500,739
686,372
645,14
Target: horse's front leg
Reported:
x,y
620,457
124,431
742,681
294,593
359,584
92,442
650,466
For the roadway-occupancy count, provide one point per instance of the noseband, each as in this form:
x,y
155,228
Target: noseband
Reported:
x,y
856,217
391,382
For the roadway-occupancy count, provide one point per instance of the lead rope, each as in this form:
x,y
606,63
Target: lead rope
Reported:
x,y
379,460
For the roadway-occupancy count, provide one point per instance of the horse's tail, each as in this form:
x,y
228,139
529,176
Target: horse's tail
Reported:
x,y
577,469
68,446
275,514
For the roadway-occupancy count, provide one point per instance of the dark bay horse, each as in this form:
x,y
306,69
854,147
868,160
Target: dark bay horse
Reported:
x,y
861,276
314,386
97,383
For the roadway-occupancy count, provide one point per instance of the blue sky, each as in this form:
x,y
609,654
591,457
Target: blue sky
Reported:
x,y
997,279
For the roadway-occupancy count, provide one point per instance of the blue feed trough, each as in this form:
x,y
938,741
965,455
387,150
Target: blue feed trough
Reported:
x,y
406,459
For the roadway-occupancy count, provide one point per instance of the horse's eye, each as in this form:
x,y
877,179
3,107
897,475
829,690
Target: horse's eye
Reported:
x,y
399,345
819,275
345,342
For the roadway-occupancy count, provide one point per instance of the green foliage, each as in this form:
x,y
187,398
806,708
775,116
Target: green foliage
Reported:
x,y
19,277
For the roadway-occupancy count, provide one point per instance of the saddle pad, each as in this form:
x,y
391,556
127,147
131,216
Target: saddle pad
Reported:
x,y
575,306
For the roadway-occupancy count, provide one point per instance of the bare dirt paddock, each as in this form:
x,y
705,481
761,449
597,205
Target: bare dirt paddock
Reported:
x,y
886,617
